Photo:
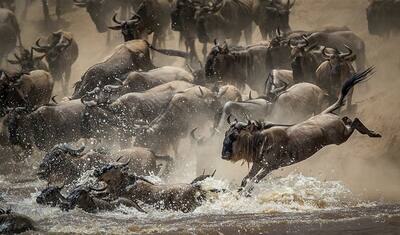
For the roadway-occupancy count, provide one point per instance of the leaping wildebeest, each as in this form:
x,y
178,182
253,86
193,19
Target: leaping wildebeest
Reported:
x,y
61,53
270,146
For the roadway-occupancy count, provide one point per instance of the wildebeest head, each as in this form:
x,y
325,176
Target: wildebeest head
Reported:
x,y
83,198
202,177
51,196
236,137
218,61
98,11
131,29
337,58
112,174
58,42
10,93
59,160
27,61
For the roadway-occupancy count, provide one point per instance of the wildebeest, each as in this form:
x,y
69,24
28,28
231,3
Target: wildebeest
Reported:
x,y
383,17
133,109
27,90
297,103
9,31
304,62
341,40
12,223
332,73
272,15
184,112
269,146
277,82
51,196
61,53
183,21
250,65
64,164
28,61
220,19
82,197
130,56
151,16
62,123
101,11
139,81
179,197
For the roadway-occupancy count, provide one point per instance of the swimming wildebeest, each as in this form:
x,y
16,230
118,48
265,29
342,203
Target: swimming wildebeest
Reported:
x,y
64,164
13,223
179,197
270,146
61,53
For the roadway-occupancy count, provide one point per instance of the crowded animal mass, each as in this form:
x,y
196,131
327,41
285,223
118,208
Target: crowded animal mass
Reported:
x,y
199,117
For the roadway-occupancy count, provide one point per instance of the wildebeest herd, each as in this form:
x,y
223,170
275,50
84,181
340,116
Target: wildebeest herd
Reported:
x,y
303,80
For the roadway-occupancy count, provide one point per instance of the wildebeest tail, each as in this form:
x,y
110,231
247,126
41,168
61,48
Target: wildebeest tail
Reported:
x,y
347,86
169,52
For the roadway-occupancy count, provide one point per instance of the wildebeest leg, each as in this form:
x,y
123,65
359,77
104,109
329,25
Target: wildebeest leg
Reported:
x,y
248,33
59,8
253,172
204,51
67,76
360,127
46,13
192,47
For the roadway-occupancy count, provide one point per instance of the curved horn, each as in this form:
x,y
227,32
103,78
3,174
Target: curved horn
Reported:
x,y
229,119
98,189
349,53
325,54
119,81
305,40
215,42
212,175
201,91
144,179
114,18
125,164
80,3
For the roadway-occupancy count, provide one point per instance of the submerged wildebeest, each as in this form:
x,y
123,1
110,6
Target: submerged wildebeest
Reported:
x,y
179,197
13,223
271,16
250,65
130,56
9,31
383,17
81,197
27,90
332,73
220,19
184,112
151,16
28,61
61,53
64,164
269,146
62,123
297,103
